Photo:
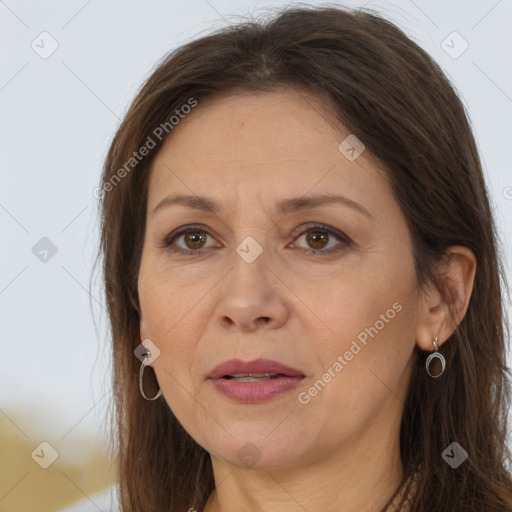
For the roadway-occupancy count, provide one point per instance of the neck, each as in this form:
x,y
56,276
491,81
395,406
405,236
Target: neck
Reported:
x,y
356,477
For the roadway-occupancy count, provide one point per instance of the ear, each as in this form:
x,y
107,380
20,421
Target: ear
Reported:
x,y
457,276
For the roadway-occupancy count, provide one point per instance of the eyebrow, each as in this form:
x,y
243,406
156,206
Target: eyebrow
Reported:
x,y
293,204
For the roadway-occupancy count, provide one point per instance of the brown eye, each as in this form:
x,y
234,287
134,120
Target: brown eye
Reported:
x,y
319,237
194,239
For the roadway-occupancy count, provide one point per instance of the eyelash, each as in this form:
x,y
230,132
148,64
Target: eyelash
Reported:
x,y
343,239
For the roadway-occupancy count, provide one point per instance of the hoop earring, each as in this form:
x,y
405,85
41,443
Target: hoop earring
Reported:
x,y
143,365
435,355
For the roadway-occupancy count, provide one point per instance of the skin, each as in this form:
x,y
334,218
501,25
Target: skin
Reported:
x,y
249,151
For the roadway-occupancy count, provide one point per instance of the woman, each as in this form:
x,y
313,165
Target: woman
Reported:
x,y
302,279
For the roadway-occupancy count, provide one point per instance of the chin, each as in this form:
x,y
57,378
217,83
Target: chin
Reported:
x,y
258,452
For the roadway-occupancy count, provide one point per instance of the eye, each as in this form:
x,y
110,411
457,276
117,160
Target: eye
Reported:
x,y
192,236
319,237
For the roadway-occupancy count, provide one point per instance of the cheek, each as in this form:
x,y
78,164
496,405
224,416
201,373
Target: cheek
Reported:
x,y
169,320
176,332
361,381
363,305
370,323
168,300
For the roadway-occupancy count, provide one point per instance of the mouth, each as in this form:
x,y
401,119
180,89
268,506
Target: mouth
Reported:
x,y
255,381
258,369
253,377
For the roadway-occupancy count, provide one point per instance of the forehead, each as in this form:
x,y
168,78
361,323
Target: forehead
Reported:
x,y
259,143
241,125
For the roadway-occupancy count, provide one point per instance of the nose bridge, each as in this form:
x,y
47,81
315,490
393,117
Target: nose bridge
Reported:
x,y
254,232
248,295
250,260
252,225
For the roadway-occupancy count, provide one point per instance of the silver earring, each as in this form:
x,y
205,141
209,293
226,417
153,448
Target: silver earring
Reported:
x,y
435,355
143,365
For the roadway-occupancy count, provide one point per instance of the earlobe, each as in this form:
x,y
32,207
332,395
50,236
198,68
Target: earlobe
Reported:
x,y
443,312
432,326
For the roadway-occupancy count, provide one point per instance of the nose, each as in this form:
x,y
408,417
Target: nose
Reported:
x,y
252,297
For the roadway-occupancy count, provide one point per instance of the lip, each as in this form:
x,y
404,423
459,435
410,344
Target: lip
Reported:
x,y
255,366
254,392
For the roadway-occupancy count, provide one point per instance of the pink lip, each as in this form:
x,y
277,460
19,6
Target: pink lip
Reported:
x,y
252,392
256,366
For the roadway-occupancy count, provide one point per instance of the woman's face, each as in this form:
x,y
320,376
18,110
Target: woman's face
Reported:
x,y
327,289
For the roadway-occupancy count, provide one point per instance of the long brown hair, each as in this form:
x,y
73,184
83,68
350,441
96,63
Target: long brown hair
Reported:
x,y
390,93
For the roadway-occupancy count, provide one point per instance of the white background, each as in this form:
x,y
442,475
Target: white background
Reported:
x,y
57,118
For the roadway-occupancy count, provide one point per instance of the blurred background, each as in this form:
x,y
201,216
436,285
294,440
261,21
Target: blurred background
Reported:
x,y
68,70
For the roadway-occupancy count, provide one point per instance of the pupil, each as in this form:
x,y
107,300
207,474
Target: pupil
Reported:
x,y
312,239
198,238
